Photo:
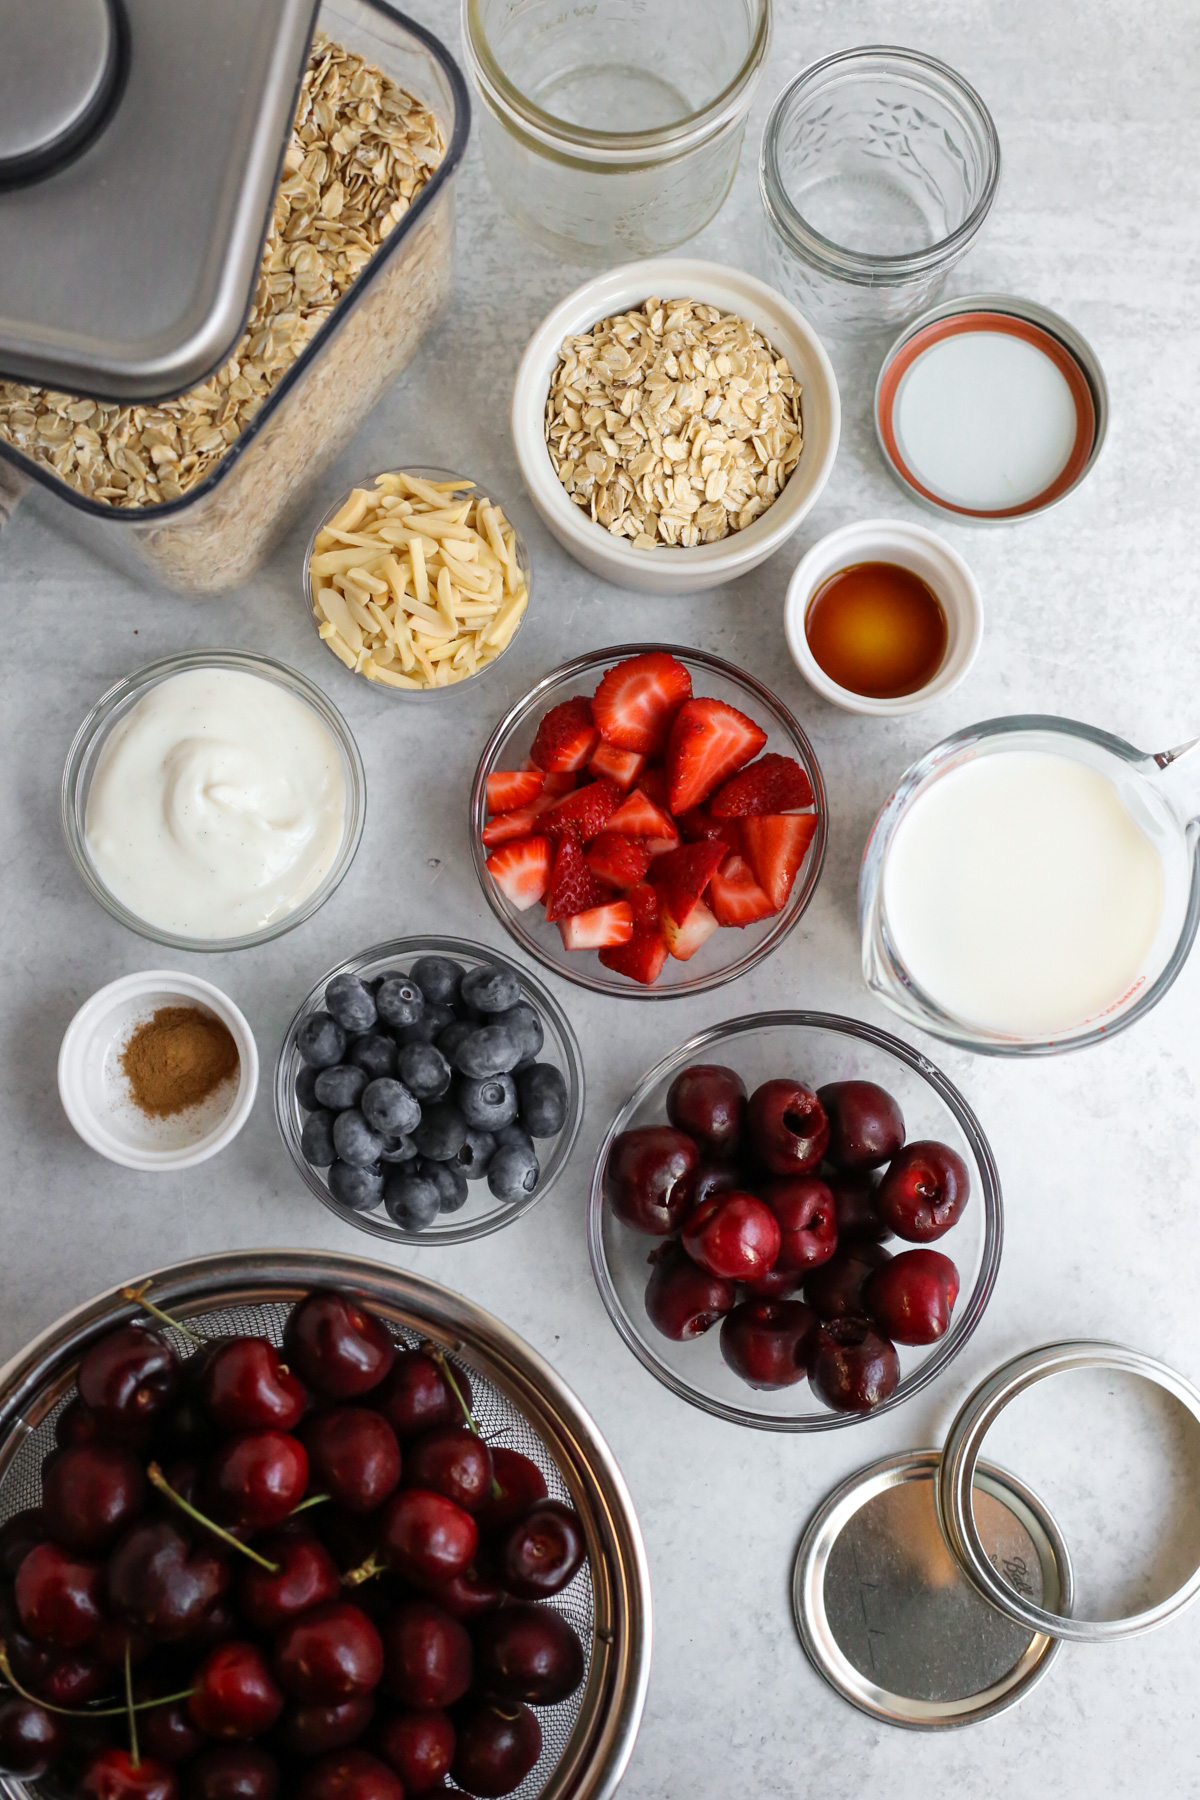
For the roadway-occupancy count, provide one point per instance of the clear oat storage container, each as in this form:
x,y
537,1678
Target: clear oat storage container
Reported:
x,y
348,287
613,130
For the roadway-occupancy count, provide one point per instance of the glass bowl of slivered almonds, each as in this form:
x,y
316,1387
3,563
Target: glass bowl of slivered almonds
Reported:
x,y
417,580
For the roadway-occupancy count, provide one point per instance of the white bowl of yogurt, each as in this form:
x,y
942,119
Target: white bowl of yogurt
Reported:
x,y
213,800
1030,886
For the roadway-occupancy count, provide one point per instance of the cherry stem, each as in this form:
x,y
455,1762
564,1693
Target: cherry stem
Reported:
x,y
157,1479
366,1571
134,1753
313,1500
138,1295
86,1712
440,1358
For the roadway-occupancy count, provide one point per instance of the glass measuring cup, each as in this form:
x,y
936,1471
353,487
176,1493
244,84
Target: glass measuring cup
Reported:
x,y
1152,803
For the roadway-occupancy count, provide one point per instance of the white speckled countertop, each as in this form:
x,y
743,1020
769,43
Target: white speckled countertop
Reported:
x,y
1090,612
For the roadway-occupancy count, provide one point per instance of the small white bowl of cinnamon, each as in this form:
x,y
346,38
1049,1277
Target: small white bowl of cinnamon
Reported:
x,y
158,1070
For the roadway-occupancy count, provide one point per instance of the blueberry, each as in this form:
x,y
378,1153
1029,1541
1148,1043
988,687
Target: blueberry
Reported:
x,y
515,1134
525,1026
354,1140
374,1053
453,1035
341,1086
305,1092
320,1041
513,1172
442,1131
428,1028
397,1150
400,1001
411,1200
490,989
389,1108
449,1181
424,1071
360,1188
488,1050
476,1153
439,979
487,1104
543,1096
316,1140
350,1003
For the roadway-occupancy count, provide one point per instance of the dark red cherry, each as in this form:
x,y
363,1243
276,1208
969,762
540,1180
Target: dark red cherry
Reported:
x,y
427,1655
766,1342
528,1653
335,1345
683,1300
315,1730
90,1493
60,1597
866,1127
776,1284
516,1484
350,1775
541,1552
713,1178
417,1395
835,1290
923,1191
454,1461
30,1738
116,1638
257,1479
419,1746
168,1734
709,1103
787,1127
498,1743
245,1387
234,1694
160,1583
650,1177
66,1678
78,1424
353,1456
129,1378
912,1297
17,1538
852,1367
734,1236
469,1596
234,1772
112,1775
306,1576
856,1203
330,1654
426,1536
806,1214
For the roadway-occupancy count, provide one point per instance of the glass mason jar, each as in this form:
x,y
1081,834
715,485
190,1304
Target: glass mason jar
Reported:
x,y
878,169
613,130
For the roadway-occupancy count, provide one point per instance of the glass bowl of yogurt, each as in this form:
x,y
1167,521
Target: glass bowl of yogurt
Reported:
x,y
1031,885
213,800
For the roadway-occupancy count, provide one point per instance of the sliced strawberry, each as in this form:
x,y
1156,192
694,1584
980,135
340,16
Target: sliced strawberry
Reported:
x,y
522,823
683,941
638,816
599,928
637,700
776,845
653,783
682,876
521,870
583,813
558,781
774,784
735,896
572,887
508,789
708,742
698,825
621,766
643,901
619,860
566,737
642,958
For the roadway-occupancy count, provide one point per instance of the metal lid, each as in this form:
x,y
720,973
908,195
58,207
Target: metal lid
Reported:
x,y
141,142
990,408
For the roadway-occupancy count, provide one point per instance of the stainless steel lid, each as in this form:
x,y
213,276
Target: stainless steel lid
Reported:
x,y
140,148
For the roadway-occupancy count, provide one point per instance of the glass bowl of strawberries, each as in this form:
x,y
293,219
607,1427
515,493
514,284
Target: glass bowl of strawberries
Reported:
x,y
649,821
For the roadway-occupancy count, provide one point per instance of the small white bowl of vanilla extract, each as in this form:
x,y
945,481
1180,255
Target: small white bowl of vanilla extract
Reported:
x,y
883,617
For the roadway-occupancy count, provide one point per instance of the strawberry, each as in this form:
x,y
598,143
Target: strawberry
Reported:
x,y
566,737
698,825
637,700
572,887
619,860
643,902
507,789
519,824
583,813
598,928
621,766
776,845
653,783
684,940
638,816
709,741
682,876
558,781
642,958
736,897
521,869
774,784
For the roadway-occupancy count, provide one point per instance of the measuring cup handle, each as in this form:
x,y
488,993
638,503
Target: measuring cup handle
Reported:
x,y
1163,759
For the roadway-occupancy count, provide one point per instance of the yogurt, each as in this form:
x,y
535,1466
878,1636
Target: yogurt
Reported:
x,y
217,804
1021,894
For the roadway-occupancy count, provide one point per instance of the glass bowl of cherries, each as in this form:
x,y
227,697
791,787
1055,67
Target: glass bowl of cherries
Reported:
x,y
795,1221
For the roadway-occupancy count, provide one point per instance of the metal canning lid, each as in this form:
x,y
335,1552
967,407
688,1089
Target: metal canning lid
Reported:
x,y
893,1624
966,1534
990,408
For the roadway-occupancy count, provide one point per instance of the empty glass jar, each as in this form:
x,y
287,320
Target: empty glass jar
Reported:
x,y
613,130
878,168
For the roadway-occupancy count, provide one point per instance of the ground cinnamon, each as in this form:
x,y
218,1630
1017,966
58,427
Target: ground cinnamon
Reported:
x,y
177,1058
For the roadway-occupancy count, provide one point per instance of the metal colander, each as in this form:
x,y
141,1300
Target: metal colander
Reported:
x,y
518,1400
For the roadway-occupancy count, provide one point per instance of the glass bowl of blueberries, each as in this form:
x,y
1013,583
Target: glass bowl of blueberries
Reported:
x,y
429,1090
